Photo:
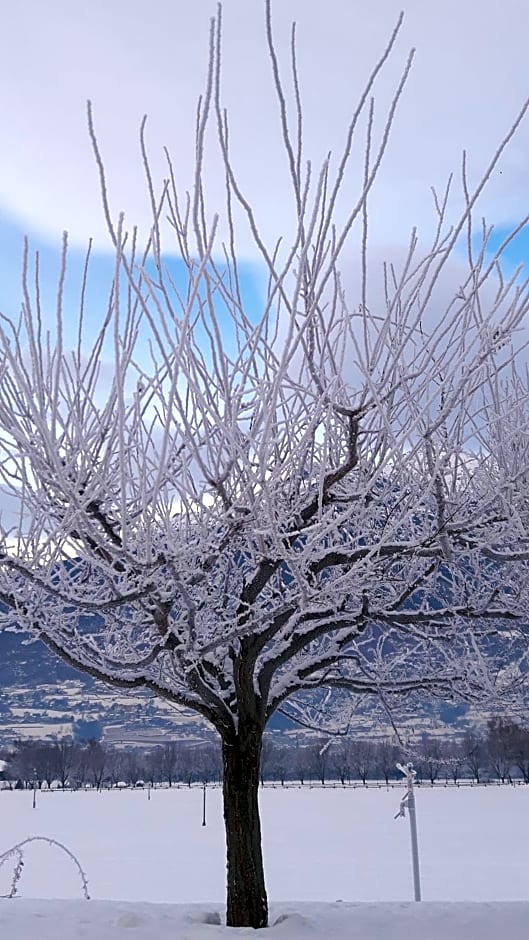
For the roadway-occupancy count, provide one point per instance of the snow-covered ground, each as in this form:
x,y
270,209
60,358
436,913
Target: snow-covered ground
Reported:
x,y
105,920
323,850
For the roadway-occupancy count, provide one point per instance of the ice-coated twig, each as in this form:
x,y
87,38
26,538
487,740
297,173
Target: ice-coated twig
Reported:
x,y
16,851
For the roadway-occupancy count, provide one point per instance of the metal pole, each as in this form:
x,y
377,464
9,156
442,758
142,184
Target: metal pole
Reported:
x,y
204,805
408,802
414,842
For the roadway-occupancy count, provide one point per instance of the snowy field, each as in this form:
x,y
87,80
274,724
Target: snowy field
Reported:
x,y
327,847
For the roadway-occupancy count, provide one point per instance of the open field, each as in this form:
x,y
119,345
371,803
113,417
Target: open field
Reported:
x,y
324,846
320,845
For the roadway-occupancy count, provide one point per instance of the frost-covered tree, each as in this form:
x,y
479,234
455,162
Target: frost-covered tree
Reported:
x,y
235,506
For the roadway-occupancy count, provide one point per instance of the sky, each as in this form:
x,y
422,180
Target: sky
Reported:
x,y
468,81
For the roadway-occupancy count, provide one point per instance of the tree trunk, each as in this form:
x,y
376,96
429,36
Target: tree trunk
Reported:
x,y
247,904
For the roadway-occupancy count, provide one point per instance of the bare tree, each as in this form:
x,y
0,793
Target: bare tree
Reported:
x,y
63,751
167,759
363,754
520,750
386,756
301,762
116,767
500,746
341,761
134,766
474,755
208,762
96,757
30,762
248,505
432,757
454,759
319,759
279,762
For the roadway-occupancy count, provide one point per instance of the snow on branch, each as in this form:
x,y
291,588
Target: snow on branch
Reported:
x,y
17,852
229,503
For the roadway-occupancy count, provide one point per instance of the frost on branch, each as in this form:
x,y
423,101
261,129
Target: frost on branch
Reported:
x,y
17,852
231,506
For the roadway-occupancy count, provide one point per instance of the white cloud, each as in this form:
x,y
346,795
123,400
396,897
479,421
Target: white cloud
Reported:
x,y
468,81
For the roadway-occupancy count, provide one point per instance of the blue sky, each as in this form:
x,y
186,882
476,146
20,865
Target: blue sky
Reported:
x,y
517,251
101,271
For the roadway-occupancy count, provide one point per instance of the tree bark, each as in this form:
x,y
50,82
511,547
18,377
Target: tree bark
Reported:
x,y
247,904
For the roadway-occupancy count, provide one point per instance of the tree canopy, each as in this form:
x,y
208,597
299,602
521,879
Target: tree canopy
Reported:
x,y
232,507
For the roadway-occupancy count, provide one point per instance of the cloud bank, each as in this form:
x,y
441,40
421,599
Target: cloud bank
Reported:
x,y
468,81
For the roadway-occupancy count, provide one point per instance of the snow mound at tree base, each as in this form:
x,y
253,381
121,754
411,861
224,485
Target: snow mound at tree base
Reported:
x,y
121,920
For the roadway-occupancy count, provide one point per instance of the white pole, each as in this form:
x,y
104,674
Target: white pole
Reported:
x,y
414,842
408,802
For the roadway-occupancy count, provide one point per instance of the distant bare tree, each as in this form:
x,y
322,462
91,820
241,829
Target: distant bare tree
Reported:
x,y
474,755
363,754
26,762
432,757
279,762
267,753
46,763
96,762
320,759
520,750
63,753
168,761
386,756
454,754
499,748
134,766
327,489
208,762
116,768
301,763
341,763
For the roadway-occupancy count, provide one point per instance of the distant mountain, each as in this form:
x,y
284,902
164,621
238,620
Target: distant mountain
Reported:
x,y
41,696
31,663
